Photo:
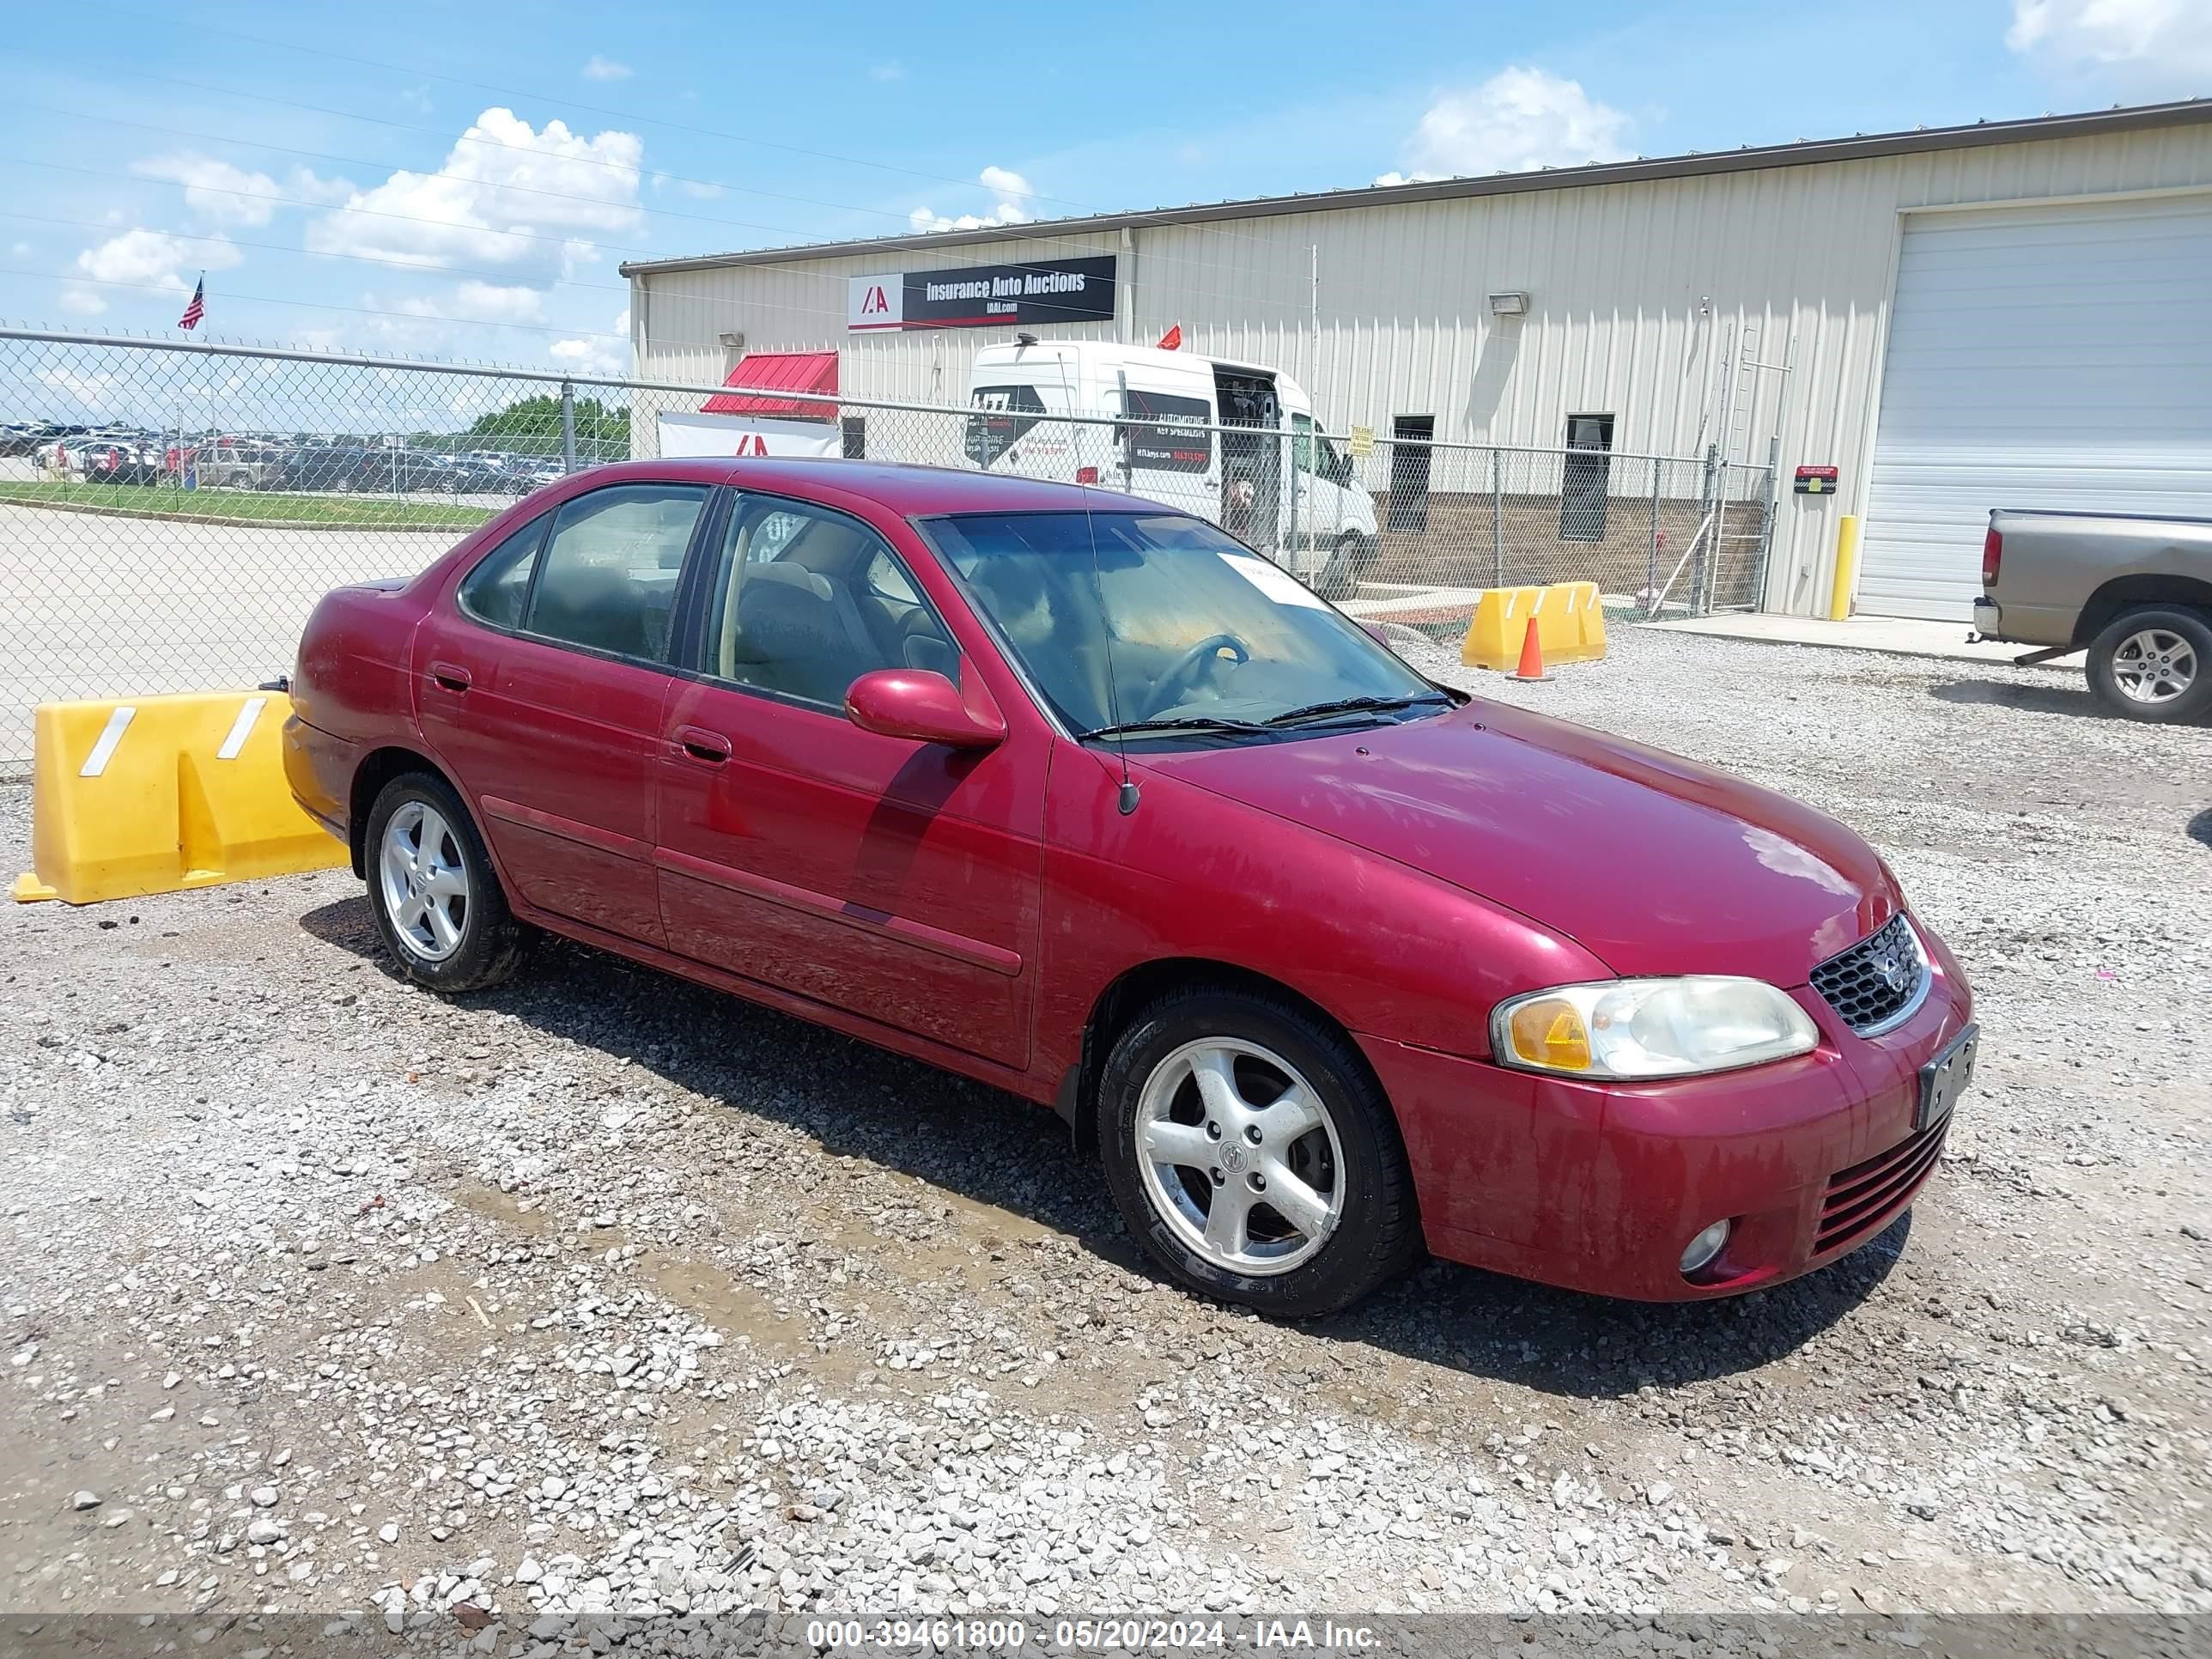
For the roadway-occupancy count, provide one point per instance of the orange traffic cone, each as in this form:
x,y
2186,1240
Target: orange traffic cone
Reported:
x,y
1532,657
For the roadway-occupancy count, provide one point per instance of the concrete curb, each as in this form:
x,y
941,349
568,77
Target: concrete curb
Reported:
x,y
456,531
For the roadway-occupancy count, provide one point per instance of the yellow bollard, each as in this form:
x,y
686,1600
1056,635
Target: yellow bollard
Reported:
x,y
1847,567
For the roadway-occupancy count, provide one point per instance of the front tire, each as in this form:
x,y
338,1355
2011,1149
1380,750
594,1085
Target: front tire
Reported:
x,y
1254,1155
436,899
2155,662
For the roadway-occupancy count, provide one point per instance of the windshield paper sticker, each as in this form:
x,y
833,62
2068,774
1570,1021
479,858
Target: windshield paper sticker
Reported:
x,y
1274,583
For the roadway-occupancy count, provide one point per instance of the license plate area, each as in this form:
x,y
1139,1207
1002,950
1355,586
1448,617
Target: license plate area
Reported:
x,y
1944,1078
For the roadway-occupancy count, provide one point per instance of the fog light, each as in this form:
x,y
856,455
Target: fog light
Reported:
x,y
1704,1247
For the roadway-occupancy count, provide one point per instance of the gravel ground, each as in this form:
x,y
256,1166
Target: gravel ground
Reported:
x,y
603,1292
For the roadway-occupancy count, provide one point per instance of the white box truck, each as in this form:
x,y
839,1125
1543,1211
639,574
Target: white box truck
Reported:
x,y
1235,443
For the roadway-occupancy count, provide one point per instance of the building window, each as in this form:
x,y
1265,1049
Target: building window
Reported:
x,y
1584,473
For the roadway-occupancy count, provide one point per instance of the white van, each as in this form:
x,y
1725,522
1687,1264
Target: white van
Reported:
x,y
1272,481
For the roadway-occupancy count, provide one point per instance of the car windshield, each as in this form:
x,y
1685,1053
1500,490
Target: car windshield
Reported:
x,y
1173,621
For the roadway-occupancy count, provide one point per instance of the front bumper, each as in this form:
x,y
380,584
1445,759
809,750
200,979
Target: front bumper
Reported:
x,y
1598,1187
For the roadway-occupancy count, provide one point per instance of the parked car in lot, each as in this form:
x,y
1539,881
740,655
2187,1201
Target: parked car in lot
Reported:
x,y
1070,791
238,466
2134,589
118,461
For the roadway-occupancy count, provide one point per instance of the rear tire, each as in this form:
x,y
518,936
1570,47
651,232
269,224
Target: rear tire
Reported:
x,y
1217,1097
431,886
1347,567
2155,662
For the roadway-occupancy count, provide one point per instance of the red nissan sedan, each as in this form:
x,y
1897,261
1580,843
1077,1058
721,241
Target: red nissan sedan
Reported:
x,y
1324,963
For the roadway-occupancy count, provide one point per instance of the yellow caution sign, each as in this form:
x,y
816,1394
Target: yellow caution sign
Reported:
x,y
1570,625
156,794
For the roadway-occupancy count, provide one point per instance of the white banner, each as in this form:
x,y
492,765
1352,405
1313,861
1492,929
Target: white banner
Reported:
x,y
717,435
875,301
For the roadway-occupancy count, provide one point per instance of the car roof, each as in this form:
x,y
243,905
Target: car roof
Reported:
x,y
906,490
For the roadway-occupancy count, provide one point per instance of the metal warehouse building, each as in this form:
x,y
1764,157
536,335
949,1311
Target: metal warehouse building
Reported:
x,y
2011,313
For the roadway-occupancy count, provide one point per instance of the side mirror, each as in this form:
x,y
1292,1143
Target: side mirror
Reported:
x,y
924,707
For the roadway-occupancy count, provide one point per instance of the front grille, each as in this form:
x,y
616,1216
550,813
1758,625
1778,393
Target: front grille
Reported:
x,y
1877,980
1867,1197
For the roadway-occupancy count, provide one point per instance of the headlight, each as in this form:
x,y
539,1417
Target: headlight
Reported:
x,y
1631,1029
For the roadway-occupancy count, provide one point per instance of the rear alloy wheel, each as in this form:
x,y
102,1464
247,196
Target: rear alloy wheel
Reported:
x,y
1250,1152
437,902
2154,664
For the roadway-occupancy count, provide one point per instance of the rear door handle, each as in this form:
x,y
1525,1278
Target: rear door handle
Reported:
x,y
452,676
701,745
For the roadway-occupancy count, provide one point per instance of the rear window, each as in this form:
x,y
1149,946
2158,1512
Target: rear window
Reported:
x,y
1010,412
1170,434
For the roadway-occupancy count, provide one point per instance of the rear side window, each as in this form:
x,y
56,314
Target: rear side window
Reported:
x,y
1009,413
493,592
607,578
1168,433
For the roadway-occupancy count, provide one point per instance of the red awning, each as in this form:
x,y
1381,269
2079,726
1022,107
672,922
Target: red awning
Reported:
x,y
779,371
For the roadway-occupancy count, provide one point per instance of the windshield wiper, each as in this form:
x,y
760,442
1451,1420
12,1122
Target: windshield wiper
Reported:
x,y
1354,705
1181,723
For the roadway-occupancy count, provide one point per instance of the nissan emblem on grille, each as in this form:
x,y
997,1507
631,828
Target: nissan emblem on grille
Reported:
x,y
1877,981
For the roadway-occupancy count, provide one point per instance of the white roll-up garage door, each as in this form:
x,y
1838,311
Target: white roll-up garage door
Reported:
x,y
2052,356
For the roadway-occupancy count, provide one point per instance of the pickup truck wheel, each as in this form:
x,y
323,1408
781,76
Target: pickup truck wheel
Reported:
x,y
435,896
2155,662
1251,1153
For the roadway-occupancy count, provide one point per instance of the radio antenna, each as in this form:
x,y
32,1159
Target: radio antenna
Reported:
x,y
1127,798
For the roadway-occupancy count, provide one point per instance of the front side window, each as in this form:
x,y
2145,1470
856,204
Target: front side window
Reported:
x,y
804,601
1122,618
494,591
606,578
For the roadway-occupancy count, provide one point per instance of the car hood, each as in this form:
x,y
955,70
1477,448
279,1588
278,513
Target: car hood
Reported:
x,y
1654,864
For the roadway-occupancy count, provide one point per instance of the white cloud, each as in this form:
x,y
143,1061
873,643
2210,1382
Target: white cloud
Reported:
x,y
1516,120
479,302
597,353
221,194
704,190
892,71
2148,48
597,68
80,300
1011,190
527,201
415,98
155,259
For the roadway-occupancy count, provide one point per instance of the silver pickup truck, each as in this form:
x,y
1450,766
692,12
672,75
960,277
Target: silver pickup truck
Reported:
x,y
2132,589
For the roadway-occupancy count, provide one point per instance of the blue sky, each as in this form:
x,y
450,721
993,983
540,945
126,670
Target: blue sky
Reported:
x,y
462,180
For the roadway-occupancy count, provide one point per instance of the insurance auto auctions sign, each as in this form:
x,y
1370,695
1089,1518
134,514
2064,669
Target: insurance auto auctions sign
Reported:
x,y
976,296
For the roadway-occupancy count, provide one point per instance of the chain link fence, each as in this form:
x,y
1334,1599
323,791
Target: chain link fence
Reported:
x,y
170,512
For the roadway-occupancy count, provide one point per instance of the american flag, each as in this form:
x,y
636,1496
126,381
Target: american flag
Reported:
x,y
196,308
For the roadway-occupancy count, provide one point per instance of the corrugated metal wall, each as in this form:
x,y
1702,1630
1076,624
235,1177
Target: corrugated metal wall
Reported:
x,y
1634,292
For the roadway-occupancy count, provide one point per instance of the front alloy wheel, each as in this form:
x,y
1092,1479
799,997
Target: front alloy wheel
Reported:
x,y
1249,1148
1239,1156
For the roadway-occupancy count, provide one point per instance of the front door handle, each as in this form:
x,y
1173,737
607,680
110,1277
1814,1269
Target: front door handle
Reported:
x,y
701,745
452,676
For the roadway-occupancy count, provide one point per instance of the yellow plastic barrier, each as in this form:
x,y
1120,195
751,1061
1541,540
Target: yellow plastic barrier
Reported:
x,y
156,794
1570,625
1501,618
